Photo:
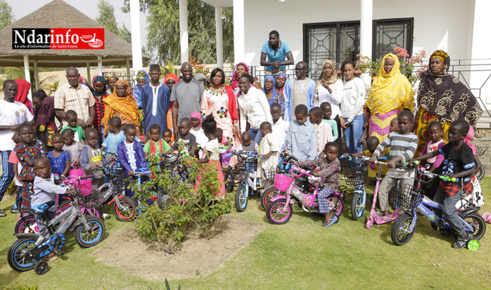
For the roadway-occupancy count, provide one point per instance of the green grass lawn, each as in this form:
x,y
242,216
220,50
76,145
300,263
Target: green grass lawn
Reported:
x,y
301,254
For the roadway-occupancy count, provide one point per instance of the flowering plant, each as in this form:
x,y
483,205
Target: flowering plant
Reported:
x,y
198,67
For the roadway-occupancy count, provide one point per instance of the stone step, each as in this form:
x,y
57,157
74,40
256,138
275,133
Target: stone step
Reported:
x,y
484,123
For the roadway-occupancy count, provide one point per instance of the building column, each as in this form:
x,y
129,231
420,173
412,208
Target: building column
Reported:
x,y
219,36
27,74
99,64
366,33
89,80
36,74
239,31
183,28
136,41
128,72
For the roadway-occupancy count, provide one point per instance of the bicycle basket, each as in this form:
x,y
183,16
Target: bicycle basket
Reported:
x,y
354,178
410,197
269,173
282,182
480,151
92,200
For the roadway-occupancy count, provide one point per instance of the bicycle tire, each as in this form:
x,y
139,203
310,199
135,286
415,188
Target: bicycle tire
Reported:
x,y
163,199
480,174
357,206
268,194
127,212
241,198
478,223
400,234
27,225
336,204
86,239
14,256
273,212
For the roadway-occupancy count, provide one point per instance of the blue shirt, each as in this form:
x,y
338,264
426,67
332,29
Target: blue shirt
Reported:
x,y
112,141
279,55
58,164
301,140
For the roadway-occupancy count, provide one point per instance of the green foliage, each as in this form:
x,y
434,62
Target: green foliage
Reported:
x,y
163,30
24,287
6,14
107,19
187,209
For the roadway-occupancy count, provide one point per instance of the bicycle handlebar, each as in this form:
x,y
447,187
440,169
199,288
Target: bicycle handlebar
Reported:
x,y
298,171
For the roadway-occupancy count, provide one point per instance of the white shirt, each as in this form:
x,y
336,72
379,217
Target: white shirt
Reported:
x,y
213,147
334,99
353,98
254,108
11,114
280,129
131,155
200,136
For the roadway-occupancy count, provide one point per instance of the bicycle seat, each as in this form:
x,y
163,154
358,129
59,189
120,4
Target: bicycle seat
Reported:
x,y
40,208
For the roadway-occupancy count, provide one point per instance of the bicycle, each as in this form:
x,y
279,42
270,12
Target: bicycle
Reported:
x,y
280,208
27,251
405,226
173,164
249,181
357,180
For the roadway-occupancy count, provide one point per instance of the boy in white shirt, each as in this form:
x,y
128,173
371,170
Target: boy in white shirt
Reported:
x,y
269,154
280,127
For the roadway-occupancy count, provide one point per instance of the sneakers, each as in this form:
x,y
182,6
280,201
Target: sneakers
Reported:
x,y
462,241
2,213
14,209
106,216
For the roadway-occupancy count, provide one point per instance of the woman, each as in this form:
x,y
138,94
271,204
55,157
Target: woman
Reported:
x,y
122,104
23,88
44,108
219,100
269,89
240,69
391,93
170,80
99,94
279,97
253,107
110,82
141,80
442,97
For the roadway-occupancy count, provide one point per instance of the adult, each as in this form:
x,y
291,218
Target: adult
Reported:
x,y
186,96
99,93
83,82
44,108
240,69
121,104
443,98
275,54
201,78
269,89
279,96
170,80
141,80
77,97
391,92
12,114
253,108
155,101
299,90
329,89
110,82
219,100
23,88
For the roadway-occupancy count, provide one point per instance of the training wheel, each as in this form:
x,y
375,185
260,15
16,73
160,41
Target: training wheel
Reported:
x,y
41,268
473,245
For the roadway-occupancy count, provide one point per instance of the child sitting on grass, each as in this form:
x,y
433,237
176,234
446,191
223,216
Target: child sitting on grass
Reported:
x,y
71,118
329,170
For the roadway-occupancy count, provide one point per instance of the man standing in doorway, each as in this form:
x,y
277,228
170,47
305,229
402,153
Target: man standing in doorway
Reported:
x,y
278,54
77,97
299,90
155,100
186,96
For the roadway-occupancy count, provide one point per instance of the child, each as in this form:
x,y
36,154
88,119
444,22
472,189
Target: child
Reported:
x,y
17,170
59,159
459,163
327,110
403,145
329,169
73,147
131,154
91,157
301,137
211,150
186,137
167,136
280,127
225,147
114,137
29,150
196,129
435,142
323,130
248,145
394,125
372,144
71,118
155,145
269,152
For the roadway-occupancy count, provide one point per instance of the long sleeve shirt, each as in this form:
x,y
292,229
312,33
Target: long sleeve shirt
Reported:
x,y
254,108
353,99
301,140
328,171
131,156
333,98
324,135
288,92
45,190
401,145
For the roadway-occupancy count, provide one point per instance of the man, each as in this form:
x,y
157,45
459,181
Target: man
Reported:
x,y
186,96
12,114
299,90
77,97
278,54
155,101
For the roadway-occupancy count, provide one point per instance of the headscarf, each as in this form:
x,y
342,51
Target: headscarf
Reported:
x,y
137,89
142,75
235,78
286,78
196,115
444,96
23,88
125,106
101,79
330,80
390,91
171,76
274,88
468,138
200,76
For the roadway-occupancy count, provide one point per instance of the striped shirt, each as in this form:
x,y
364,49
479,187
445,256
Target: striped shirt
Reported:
x,y
401,145
79,99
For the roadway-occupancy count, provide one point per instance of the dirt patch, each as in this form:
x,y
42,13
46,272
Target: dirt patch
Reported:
x,y
198,256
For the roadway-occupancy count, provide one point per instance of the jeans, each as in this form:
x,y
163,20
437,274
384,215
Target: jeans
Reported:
x,y
256,135
8,173
352,134
449,209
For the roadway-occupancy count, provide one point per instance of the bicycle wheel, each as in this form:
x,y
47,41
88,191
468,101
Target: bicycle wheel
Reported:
x,y
268,194
127,211
17,258
241,198
478,223
163,199
336,204
26,226
274,214
91,236
400,233
357,206
480,174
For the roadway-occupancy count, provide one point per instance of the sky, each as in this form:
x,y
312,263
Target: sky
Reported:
x,y
22,8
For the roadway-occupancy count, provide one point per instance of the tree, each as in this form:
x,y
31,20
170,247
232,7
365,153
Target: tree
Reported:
x,y
6,14
163,30
107,19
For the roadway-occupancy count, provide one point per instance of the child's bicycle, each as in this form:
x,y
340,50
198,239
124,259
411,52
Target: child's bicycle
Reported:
x,y
171,162
357,179
280,208
28,250
404,227
249,181
482,171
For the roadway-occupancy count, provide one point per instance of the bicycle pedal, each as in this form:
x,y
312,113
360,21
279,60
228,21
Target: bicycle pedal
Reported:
x,y
59,253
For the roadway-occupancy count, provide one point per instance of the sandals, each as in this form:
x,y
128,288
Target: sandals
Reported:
x,y
329,222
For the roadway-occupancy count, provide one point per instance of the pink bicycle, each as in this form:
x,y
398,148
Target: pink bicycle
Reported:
x,y
280,209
